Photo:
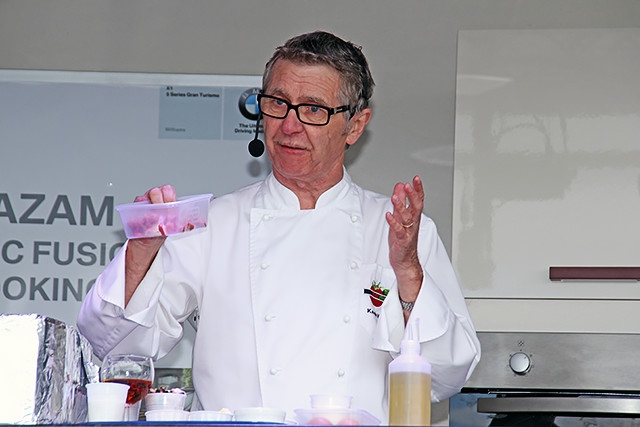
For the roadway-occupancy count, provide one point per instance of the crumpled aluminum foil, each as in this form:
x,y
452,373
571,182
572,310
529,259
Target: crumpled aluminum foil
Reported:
x,y
45,365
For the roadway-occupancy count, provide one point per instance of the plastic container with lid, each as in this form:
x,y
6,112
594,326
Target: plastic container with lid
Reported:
x,y
143,219
410,383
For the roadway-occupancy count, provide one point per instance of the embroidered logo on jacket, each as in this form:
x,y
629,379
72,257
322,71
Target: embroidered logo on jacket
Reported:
x,y
377,293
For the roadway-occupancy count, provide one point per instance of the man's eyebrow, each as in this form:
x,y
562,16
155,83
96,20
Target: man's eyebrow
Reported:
x,y
277,92
315,100
305,100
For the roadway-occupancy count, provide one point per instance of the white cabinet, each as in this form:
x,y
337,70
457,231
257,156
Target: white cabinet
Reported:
x,y
547,161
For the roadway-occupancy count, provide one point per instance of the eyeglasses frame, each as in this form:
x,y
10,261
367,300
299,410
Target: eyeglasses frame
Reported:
x,y
294,107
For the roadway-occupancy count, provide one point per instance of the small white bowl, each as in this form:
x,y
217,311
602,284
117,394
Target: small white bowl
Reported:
x,y
167,415
260,414
330,401
156,401
210,416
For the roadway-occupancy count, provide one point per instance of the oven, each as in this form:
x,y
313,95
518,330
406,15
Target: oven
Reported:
x,y
552,379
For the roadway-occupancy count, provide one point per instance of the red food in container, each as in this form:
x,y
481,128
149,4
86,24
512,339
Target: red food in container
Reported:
x,y
143,219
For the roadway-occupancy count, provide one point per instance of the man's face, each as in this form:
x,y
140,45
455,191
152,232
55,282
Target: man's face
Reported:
x,y
304,154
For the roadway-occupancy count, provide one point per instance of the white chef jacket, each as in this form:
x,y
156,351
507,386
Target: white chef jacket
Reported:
x,y
283,306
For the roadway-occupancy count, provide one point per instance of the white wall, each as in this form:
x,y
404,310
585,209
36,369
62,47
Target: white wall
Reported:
x,y
411,45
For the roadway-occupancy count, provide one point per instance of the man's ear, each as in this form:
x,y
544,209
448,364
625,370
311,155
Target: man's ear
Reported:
x,y
358,123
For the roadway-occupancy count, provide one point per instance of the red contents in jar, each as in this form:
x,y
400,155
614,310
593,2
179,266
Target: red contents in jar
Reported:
x,y
138,388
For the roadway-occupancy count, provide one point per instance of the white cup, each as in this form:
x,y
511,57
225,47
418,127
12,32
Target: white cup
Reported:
x,y
106,401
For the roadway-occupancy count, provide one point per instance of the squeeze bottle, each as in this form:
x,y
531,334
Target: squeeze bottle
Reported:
x,y
410,384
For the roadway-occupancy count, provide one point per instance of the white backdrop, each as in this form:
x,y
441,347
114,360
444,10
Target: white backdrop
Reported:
x,y
82,143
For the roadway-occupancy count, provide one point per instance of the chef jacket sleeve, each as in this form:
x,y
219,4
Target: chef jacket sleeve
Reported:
x,y
448,337
151,322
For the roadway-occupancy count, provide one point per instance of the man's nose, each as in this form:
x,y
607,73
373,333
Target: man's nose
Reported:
x,y
290,123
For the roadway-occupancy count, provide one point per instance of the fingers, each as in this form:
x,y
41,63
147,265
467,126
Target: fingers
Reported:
x,y
404,221
163,194
408,202
415,194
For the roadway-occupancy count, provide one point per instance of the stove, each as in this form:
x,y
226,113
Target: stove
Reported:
x,y
552,379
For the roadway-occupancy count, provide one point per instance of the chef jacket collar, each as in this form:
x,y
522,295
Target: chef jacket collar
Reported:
x,y
277,196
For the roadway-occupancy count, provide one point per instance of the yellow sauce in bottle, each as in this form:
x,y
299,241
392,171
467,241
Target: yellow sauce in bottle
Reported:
x,y
409,399
410,383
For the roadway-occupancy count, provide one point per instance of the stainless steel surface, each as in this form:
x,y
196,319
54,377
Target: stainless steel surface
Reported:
x,y
552,380
560,405
557,361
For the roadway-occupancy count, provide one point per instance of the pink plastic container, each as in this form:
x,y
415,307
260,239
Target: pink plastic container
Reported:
x,y
142,219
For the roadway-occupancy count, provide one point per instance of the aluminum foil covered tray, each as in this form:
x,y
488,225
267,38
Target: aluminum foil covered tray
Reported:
x,y
45,365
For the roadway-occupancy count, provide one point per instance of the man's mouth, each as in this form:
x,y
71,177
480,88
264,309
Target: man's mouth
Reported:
x,y
290,146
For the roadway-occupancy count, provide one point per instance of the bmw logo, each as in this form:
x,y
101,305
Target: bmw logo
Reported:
x,y
248,103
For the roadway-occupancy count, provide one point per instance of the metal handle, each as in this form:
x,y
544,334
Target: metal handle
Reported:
x,y
559,405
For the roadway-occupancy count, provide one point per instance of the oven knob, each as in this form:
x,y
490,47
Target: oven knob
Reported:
x,y
520,363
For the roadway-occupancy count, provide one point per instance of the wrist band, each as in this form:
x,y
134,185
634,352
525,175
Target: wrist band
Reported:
x,y
407,306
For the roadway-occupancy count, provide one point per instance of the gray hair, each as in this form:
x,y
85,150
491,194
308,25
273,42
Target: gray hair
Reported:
x,y
320,47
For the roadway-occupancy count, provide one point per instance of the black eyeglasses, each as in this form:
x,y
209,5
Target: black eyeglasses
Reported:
x,y
310,114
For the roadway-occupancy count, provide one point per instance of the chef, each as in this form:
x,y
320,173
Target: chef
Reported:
x,y
305,281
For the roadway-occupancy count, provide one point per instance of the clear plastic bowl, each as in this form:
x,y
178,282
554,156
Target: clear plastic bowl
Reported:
x,y
154,401
143,219
210,416
260,415
167,415
335,416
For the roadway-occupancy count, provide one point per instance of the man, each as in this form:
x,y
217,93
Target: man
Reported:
x,y
304,282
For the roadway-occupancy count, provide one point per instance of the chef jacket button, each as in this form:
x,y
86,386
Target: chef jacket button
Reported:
x,y
264,266
341,372
354,218
346,318
274,371
267,217
269,317
353,265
